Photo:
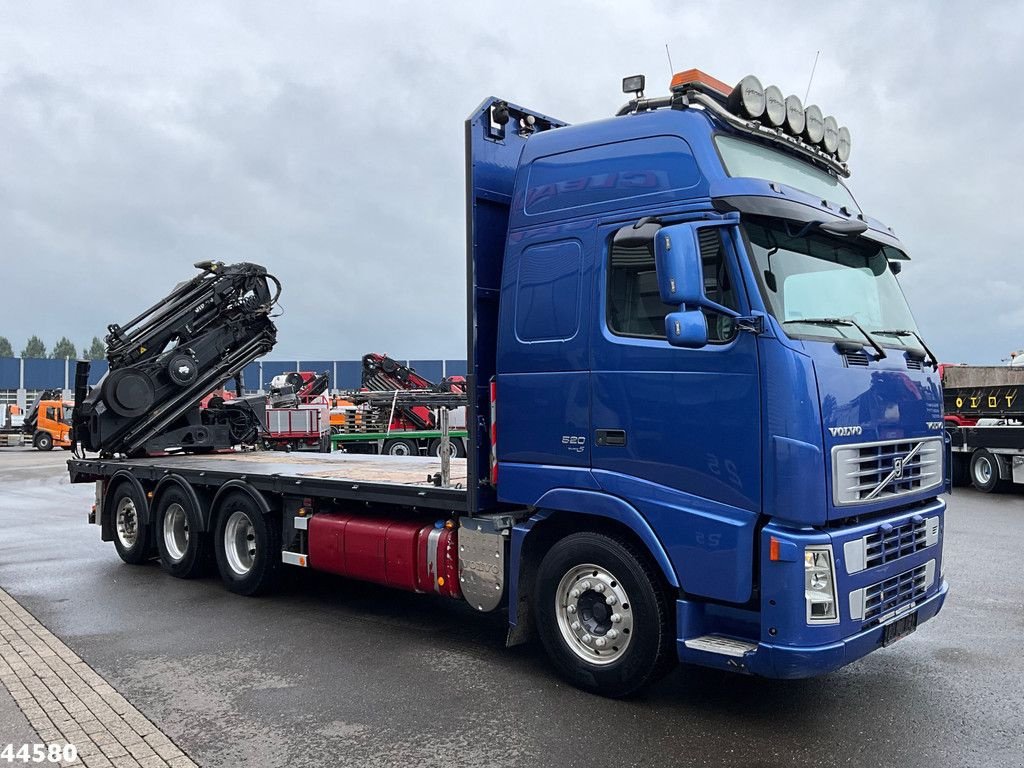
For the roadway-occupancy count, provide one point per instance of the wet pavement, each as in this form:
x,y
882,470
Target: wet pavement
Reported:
x,y
332,672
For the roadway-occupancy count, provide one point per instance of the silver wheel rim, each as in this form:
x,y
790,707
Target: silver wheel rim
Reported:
x,y
983,470
399,449
240,543
594,614
175,532
453,451
127,522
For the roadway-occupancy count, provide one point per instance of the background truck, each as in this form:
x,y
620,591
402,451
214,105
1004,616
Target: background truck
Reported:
x,y
984,417
47,422
397,412
702,423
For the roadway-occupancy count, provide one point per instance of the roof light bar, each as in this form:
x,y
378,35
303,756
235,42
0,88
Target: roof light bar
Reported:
x,y
747,98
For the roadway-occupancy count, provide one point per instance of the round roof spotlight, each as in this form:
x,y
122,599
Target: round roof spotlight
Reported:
x,y
794,116
814,124
747,98
831,138
843,150
775,105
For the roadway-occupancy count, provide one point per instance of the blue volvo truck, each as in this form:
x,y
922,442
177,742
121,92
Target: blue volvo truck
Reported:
x,y
703,424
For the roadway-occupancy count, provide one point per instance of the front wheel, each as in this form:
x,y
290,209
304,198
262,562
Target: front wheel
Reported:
x,y
43,441
247,544
456,448
603,615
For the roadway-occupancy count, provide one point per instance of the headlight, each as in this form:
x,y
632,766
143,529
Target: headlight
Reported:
x,y
775,105
814,124
747,98
794,115
820,585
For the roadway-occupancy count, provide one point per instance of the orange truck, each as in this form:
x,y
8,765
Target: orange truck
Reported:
x,y
47,421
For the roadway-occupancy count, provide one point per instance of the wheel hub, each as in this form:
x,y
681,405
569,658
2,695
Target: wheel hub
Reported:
x,y
240,543
176,532
127,521
594,614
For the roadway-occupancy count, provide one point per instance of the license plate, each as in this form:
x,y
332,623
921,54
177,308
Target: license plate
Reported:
x,y
899,628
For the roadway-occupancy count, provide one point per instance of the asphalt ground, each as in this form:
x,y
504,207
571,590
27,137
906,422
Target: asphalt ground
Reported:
x,y
329,672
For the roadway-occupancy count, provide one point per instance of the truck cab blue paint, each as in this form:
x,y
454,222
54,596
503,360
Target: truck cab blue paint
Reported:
x,y
720,447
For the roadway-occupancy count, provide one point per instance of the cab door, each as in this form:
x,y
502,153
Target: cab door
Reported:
x,y
677,431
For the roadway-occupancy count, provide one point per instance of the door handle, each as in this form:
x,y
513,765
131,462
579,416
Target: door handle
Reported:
x,y
611,437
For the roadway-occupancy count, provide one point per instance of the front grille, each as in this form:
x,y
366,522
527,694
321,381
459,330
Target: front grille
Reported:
x,y
875,471
893,542
887,596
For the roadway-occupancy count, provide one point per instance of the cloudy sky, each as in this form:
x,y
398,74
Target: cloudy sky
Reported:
x,y
324,140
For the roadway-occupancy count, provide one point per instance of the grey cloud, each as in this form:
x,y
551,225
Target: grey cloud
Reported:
x,y
325,141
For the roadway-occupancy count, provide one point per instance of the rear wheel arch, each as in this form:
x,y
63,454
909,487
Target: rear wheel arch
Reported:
x,y
237,486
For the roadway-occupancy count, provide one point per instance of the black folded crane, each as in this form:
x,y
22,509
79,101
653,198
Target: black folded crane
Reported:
x,y
165,360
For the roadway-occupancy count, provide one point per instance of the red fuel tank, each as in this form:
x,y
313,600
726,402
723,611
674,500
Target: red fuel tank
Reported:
x,y
418,556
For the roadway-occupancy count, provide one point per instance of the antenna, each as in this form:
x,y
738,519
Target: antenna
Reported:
x,y
811,78
671,70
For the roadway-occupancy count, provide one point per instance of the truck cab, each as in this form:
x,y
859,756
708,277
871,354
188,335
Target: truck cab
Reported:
x,y
691,334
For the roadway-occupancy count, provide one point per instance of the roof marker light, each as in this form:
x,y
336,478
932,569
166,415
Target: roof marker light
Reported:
x,y
794,116
843,150
702,81
747,98
775,105
814,124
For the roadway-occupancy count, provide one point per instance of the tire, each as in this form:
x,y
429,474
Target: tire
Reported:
x,y
247,544
401,448
131,535
184,547
985,472
43,441
612,654
961,470
458,448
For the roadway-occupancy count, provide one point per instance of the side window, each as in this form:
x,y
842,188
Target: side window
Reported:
x,y
634,302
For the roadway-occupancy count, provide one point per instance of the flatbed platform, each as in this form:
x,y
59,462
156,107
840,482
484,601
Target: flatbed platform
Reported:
x,y
399,480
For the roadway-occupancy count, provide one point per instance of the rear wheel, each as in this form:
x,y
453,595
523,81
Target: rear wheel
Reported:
x,y
184,549
131,535
400,448
603,615
43,441
456,448
985,471
248,545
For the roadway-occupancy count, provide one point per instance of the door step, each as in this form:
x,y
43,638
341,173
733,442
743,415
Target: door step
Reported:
x,y
726,646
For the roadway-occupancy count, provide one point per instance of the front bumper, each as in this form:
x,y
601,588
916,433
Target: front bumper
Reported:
x,y
885,568
794,662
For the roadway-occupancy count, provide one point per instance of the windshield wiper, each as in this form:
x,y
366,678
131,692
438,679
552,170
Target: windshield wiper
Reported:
x,y
903,332
844,321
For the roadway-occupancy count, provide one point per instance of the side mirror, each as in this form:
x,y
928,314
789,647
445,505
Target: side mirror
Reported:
x,y
896,267
680,272
687,328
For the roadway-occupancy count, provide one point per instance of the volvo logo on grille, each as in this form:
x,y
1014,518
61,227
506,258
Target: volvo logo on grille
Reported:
x,y
845,431
898,466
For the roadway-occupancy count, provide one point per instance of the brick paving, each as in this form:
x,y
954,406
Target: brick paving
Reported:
x,y
66,702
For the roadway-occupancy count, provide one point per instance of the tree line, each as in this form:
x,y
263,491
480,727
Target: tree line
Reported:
x,y
35,348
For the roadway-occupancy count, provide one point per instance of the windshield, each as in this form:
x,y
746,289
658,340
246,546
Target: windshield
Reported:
x,y
813,280
747,159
